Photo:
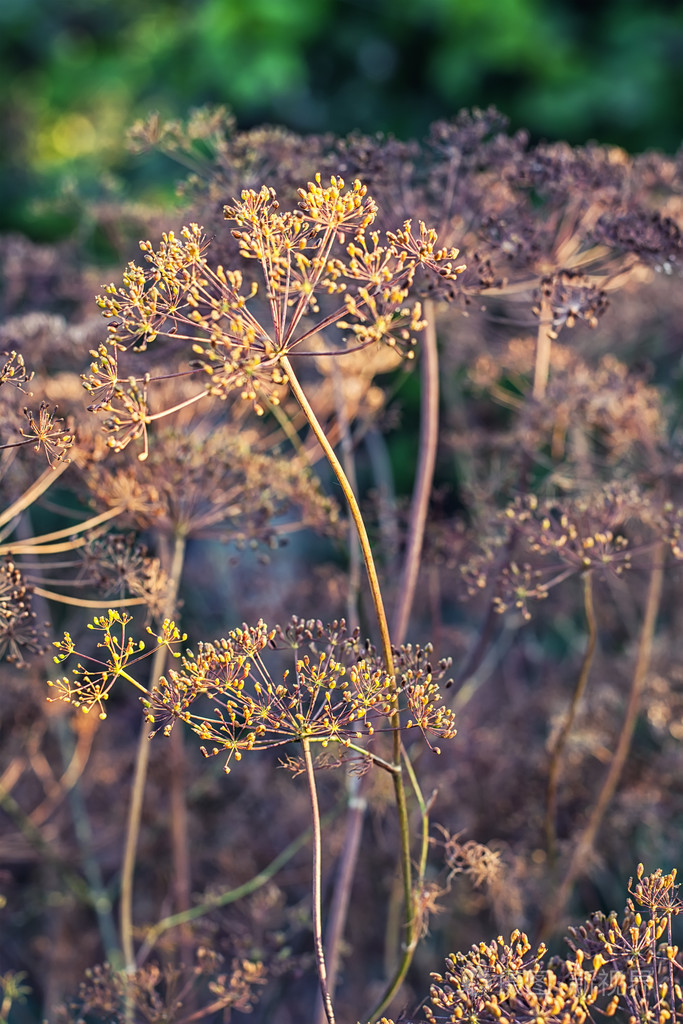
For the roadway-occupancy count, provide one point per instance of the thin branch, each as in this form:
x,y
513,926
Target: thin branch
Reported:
x,y
352,502
611,781
34,545
544,340
561,740
399,788
429,436
44,481
348,860
228,897
317,882
139,778
82,602
354,573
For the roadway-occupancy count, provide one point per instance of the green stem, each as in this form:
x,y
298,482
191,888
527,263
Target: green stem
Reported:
x,y
317,882
338,470
231,896
424,818
409,945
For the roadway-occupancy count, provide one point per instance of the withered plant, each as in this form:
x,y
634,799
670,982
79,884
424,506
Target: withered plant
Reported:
x,y
530,525
321,269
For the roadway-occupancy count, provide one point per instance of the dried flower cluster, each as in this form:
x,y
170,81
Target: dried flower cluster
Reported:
x,y
184,298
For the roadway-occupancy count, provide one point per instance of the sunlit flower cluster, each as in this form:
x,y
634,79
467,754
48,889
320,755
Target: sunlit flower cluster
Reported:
x,y
508,981
91,683
237,339
638,961
226,694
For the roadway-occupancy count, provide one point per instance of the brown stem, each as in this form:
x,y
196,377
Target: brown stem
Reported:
x,y
317,880
352,503
180,836
544,340
561,740
429,435
350,470
585,843
356,803
399,789
348,861
139,777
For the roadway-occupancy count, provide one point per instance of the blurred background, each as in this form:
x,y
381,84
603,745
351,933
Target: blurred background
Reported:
x,y
73,77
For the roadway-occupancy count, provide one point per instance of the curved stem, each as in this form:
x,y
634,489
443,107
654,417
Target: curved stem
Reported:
x,y
429,435
560,742
409,946
44,481
317,882
399,789
140,775
424,818
354,574
82,602
611,781
67,532
353,509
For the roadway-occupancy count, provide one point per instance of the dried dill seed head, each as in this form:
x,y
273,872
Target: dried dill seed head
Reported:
x,y
535,544
319,260
508,981
160,991
225,692
44,432
18,630
14,371
221,479
583,532
118,566
567,297
633,957
49,434
594,419
654,239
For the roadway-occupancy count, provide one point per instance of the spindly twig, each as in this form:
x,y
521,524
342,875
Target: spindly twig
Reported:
x,y
586,840
565,729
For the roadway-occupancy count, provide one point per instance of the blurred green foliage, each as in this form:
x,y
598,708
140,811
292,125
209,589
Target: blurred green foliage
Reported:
x,y
74,76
